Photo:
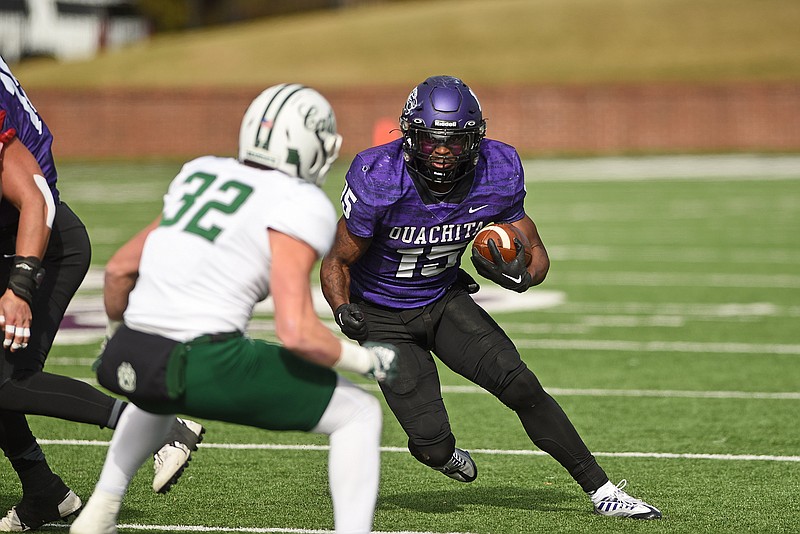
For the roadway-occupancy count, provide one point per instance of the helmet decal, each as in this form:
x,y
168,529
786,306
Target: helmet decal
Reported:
x,y
292,128
271,112
411,103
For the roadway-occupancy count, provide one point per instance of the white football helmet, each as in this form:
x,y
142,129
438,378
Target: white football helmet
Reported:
x,y
292,128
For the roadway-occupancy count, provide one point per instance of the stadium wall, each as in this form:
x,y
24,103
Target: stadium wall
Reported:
x,y
538,120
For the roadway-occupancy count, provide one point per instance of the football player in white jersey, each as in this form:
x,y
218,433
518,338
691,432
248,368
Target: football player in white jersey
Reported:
x,y
231,233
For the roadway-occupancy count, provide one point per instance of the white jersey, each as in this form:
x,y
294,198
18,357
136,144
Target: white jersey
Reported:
x,y
208,263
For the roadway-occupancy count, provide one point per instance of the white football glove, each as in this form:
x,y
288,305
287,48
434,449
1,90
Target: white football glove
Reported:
x,y
384,361
111,329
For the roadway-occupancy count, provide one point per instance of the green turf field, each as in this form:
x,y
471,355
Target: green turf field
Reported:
x,y
667,329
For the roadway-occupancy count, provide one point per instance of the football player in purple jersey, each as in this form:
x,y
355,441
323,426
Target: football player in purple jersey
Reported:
x,y
410,208
46,254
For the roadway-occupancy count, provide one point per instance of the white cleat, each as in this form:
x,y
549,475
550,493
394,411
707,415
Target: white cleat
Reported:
x,y
171,459
66,510
99,516
610,500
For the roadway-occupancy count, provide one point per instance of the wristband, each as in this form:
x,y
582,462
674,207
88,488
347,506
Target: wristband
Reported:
x,y
353,358
26,276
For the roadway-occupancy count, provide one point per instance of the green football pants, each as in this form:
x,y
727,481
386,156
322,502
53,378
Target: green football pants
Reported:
x,y
251,382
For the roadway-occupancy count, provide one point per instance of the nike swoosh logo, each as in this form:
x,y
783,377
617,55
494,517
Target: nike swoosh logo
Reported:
x,y
479,208
516,280
9,255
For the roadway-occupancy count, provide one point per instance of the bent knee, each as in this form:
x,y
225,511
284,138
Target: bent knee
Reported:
x,y
436,454
524,391
350,405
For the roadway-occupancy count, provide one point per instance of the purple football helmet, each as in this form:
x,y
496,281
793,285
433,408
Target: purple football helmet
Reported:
x,y
442,127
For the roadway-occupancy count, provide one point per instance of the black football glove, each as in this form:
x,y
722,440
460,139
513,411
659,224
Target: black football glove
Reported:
x,y
466,282
511,275
351,321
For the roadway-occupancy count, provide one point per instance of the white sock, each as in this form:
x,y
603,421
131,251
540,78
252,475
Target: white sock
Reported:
x,y
99,514
353,421
137,435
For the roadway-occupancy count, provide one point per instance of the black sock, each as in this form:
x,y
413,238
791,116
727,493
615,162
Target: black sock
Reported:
x,y
38,479
39,503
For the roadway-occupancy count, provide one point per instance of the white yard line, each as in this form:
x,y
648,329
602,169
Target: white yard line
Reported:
x,y
495,452
659,393
199,528
672,255
652,279
194,528
733,167
699,309
659,346
595,392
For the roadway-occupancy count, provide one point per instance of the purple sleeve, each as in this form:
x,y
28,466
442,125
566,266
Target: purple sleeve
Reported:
x,y
360,213
32,132
506,179
516,210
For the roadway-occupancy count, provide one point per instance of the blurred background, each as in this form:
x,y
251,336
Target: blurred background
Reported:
x,y
171,78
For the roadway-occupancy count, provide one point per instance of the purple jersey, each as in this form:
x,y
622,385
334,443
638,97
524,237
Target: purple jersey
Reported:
x,y
416,247
31,131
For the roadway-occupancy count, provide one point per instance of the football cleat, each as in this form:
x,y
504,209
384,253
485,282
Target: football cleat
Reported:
x,y
32,514
99,516
460,467
171,459
610,500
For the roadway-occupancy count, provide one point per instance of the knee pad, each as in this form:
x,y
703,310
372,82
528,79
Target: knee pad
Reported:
x,y
435,455
524,391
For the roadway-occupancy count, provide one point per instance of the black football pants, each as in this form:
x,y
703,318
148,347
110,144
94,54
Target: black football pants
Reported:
x,y
466,339
24,388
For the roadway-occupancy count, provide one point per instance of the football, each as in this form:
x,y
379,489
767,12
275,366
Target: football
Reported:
x,y
503,235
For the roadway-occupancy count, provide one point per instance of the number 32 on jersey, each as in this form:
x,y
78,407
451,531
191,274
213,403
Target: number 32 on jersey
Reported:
x,y
212,197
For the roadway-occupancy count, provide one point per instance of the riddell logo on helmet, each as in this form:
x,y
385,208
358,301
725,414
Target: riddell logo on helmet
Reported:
x,y
445,124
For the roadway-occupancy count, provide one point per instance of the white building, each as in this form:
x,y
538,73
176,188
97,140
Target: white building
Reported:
x,y
67,29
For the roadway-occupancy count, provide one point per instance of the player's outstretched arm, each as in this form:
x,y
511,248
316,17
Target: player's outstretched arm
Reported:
x,y
297,325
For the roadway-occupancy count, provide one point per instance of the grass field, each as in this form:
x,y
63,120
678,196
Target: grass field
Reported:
x,y
667,329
